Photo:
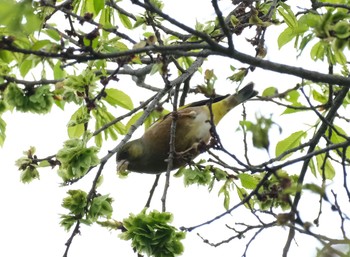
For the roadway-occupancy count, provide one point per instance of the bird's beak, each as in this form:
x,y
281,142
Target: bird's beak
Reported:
x,y
122,166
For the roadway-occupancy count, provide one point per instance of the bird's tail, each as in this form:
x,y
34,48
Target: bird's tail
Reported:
x,y
243,95
222,107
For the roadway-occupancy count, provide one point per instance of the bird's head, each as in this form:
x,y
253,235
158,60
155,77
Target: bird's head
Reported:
x,y
129,155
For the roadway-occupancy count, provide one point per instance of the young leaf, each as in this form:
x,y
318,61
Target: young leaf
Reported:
x,y
337,137
76,123
285,37
248,181
288,16
118,97
242,194
324,166
98,6
125,20
294,140
133,119
58,72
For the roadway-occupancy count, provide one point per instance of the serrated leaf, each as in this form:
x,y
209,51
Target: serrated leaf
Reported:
x,y
118,97
292,141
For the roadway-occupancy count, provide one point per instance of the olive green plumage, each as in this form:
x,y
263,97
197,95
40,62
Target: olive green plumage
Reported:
x,y
150,152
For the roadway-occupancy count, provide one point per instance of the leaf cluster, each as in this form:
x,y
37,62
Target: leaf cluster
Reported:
x,y
32,99
330,30
76,159
80,209
150,233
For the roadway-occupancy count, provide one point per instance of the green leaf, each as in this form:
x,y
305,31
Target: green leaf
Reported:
x,y
58,72
19,16
337,137
76,159
133,119
193,175
37,100
248,181
304,41
315,188
44,163
340,57
52,34
29,174
40,44
157,67
324,166
2,131
101,207
320,97
67,221
226,192
270,91
318,51
26,66
125,20
118,97
106,20
342,29
288,15
292,141
75,202
242,194
98,6
285,37
312,167
151,234
104,117
76,125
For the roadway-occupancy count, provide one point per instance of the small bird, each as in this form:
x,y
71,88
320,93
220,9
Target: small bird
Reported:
x,y
150,153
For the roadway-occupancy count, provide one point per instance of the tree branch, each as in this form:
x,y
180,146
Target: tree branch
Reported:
x,y
330,116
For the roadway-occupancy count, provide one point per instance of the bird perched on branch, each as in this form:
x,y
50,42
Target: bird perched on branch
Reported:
x,y
150,153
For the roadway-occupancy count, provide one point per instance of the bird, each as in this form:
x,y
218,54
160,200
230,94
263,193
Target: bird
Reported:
x,y
150,153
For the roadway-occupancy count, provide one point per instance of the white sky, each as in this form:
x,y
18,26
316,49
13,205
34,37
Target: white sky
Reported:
x,y
29,217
